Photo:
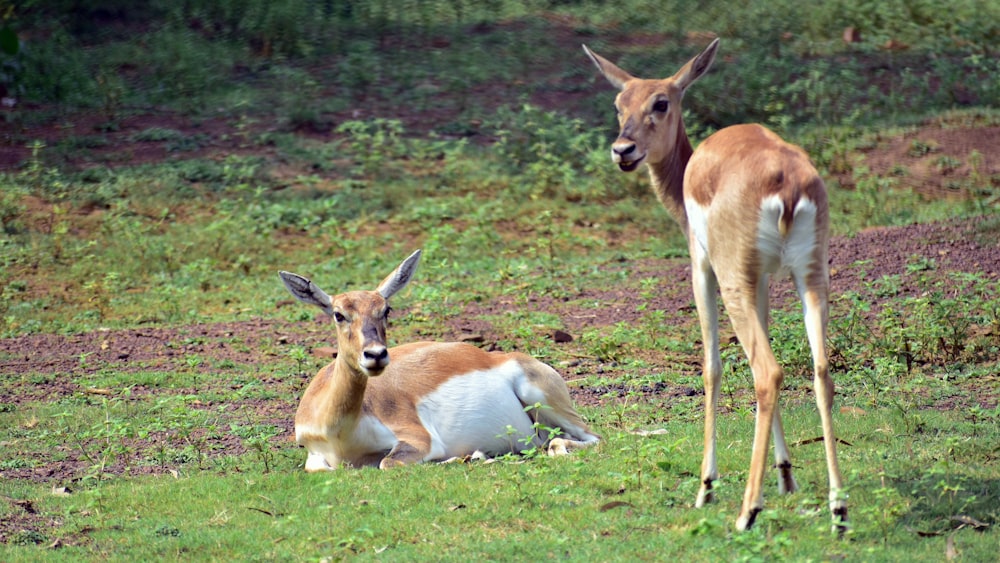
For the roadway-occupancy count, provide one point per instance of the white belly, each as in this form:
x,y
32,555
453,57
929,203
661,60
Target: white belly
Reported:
x,y
478,411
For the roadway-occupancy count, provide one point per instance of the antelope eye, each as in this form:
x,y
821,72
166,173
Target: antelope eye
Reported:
x,y
661,106
339,317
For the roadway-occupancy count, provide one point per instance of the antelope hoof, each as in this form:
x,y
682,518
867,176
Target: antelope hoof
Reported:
x,y
558,446
840,520
316,463
786,482
389,463
745,521
705,495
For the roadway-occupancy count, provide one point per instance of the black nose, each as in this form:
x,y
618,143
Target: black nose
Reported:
x,y
623,149
377,355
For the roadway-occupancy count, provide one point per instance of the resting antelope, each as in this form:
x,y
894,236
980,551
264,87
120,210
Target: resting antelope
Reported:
x,y
423,401
751,206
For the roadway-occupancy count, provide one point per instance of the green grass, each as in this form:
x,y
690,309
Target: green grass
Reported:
x,y
627,499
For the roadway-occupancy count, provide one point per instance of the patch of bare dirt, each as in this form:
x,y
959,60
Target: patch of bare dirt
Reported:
x,y
23,523
939,161
148,349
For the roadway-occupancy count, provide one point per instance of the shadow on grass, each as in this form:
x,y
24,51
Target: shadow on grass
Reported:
x,y
941,502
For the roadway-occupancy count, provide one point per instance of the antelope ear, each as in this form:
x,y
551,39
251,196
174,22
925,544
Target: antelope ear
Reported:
x,y
306,291
399,277
615,75
698,66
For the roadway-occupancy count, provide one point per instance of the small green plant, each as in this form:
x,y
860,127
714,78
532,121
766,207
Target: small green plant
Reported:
x,y
193,361
946,164
11,207
82,357
29,537
158,135
614,344
920,264
920,147
531,445
16,463
257,439
300,356
646,448
101,443
111,88
887,509
375,145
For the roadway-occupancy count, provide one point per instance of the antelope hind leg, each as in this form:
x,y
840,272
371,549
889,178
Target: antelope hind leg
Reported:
x,y
403,453
563,446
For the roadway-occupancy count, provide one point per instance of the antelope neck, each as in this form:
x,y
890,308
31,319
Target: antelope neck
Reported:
x,y
667,178
348,388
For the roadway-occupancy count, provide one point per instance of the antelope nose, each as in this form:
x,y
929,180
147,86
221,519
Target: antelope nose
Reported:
x,y
623,148
377,355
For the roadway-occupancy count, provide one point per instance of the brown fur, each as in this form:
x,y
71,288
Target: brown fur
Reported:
x,y
362,409
725,181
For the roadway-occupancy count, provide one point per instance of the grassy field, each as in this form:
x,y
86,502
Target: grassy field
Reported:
x,y
161,163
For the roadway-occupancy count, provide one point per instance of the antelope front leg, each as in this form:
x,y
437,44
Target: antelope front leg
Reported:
x,y
705,287
816,311
782,460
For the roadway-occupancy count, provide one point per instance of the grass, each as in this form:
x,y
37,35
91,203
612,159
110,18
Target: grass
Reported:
x,y
185,455
626,500
920,478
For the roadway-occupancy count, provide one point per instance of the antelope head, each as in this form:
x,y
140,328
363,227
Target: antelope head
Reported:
x,y
649,110
361,317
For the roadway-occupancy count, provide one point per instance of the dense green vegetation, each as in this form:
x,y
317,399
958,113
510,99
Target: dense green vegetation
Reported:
x,y
334,137
786,61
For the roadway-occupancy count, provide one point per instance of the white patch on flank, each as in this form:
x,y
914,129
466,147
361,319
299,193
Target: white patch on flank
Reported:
x,y
472,412
792,252
698,223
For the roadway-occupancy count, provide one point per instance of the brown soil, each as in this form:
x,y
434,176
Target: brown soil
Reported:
x,y
935,161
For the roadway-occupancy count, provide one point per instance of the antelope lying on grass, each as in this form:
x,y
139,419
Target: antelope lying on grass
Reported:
x,y
751,206
432,401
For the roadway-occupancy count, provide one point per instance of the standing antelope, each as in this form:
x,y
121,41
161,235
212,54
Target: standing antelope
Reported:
x,y
433,401
751,206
